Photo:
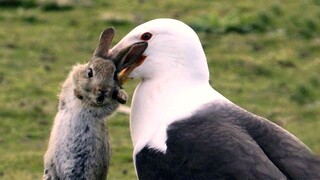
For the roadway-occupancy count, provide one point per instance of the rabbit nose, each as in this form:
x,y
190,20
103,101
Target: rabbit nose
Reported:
x,y
102,92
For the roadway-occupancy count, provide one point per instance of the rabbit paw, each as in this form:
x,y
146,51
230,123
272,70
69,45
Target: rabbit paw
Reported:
x,y
122,96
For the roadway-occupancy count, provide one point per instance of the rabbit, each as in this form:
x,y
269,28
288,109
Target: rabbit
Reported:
x,y
78,145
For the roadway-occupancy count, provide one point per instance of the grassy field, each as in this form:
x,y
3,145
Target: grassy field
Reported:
x,y
264,56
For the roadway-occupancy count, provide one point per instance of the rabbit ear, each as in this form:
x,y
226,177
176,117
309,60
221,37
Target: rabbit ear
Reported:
x,y
104,43
130,55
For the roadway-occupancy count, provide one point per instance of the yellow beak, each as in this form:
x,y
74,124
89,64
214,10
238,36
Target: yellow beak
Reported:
x,y
123,74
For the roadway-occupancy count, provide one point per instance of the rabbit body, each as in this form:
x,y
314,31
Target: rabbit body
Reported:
x,y
78,145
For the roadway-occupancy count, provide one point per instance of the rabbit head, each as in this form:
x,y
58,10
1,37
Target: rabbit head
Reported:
x,y
97,82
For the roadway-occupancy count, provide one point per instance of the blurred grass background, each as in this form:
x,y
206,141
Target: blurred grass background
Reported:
x,y
263,55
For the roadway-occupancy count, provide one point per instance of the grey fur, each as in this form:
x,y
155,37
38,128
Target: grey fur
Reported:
x,y
78,146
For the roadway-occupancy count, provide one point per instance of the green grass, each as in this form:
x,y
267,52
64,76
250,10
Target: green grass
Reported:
x,y
264,56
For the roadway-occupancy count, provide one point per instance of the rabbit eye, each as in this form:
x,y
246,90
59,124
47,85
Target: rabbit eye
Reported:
x,y
146,36
90,73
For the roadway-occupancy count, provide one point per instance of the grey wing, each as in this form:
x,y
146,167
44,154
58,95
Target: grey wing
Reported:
x,y
210,150
287,152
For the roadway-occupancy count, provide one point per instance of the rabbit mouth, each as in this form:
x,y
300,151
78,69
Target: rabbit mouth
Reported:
x,y
100,100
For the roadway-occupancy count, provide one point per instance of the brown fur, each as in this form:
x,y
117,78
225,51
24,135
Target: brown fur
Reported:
x,y
78,146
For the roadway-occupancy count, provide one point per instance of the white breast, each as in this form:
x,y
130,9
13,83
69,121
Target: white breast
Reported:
x,y
158,103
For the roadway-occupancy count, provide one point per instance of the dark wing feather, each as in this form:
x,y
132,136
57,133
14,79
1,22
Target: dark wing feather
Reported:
x,y
224,141
218,149
286,151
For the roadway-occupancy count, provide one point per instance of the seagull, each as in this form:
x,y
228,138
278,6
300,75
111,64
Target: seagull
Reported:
x,y
182,128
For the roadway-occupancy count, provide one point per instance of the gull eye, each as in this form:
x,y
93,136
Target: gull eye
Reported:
x,y
146,36
90,73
